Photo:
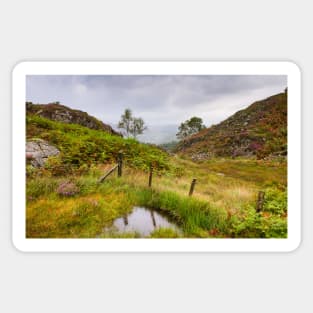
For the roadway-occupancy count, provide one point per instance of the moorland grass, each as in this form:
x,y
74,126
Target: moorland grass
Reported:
x,y
222,205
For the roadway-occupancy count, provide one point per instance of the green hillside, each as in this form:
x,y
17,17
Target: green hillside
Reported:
x,y
82,147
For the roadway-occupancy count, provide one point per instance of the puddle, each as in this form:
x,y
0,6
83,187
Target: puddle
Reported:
x,y
143,221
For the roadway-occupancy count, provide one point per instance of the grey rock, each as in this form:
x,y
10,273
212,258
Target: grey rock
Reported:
x,y
38,151
201,156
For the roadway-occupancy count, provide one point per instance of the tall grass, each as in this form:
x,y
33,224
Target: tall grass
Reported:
x,y
97,206
222,205
196,217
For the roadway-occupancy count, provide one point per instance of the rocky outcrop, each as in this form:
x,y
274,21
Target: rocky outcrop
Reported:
x,y
38,151
61,113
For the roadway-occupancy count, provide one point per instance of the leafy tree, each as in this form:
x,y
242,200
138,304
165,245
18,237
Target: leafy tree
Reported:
x,y
133,126
137,127
190,127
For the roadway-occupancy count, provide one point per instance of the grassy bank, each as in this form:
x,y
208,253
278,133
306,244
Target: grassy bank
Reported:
x,y
223,204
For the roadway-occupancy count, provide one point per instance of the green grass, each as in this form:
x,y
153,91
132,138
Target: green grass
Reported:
x,y
222,205
82,147
251,170
86,214
165,233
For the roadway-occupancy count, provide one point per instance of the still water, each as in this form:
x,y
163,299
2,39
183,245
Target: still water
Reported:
x,y
143,221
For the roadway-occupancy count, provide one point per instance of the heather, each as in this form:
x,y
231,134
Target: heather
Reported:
x,y
258,131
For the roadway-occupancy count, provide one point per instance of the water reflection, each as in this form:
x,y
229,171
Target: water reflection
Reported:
x,y
143,221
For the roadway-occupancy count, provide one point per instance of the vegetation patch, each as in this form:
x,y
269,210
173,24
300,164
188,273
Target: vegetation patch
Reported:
x,y
82,147
229,164
222,207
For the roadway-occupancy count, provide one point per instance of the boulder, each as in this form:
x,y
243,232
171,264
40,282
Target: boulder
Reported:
x,y
38,151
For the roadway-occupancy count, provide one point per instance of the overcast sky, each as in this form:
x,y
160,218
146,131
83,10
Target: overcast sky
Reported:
x,y
162,101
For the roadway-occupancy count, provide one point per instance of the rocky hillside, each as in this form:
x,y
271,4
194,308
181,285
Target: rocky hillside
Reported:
x,y
259,130
61,113
66,148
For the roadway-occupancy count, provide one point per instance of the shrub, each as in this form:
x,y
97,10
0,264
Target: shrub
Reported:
x,y
275,201
30,171
56,167
259,225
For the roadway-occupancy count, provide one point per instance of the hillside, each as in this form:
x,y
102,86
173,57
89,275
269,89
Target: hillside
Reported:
x,y
61,113
259,130
81,147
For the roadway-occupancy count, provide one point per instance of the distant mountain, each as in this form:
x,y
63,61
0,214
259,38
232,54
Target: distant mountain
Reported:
x,y
259,130
61,113
169,146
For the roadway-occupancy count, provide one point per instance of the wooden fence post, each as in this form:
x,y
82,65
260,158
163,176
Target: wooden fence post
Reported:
x,y
120,164
107,174
192,187
150,176
260,202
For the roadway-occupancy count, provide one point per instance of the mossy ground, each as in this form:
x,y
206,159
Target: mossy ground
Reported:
x,y
222,206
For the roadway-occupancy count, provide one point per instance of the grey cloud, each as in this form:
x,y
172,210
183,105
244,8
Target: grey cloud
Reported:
x,y
160,100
